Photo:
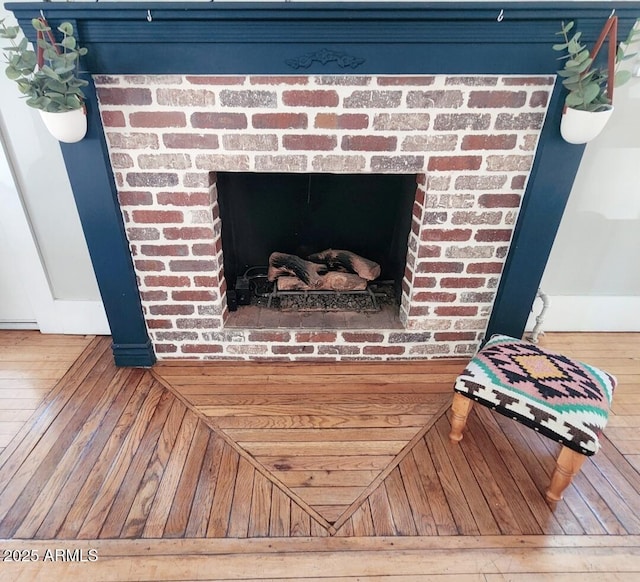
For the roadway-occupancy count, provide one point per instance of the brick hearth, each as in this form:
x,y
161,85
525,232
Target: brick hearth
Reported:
x,y
470,141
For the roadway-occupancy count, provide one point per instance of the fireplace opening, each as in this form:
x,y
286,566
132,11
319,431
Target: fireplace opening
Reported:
x,y
306,218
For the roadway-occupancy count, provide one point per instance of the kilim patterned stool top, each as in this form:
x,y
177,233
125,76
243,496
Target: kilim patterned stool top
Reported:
x,y
563,399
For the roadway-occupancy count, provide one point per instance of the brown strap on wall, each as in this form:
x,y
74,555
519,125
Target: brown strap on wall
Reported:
x,y
39,36
610,29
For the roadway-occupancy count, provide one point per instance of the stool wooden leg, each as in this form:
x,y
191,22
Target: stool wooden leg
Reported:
x,y
568,464
460,410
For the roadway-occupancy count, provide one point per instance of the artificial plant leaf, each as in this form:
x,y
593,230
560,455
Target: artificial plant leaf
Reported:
x,y
13,73
73,102
574,100
584,65
621,78
49,72
591,92
39,25
574,46
57,98
66,28
567,27
69,42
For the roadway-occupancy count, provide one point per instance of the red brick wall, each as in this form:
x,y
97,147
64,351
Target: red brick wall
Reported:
x,y
469,140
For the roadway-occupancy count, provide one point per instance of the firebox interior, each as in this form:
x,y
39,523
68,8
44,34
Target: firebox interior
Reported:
x,y
301,214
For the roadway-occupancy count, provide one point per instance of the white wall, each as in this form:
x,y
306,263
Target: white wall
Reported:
x,y
44,254
42,181
593,273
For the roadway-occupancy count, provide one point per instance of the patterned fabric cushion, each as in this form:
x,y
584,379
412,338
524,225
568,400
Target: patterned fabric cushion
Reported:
x,y
565,400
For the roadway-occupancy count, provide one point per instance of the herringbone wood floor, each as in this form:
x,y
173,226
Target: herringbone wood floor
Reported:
x,y
346,455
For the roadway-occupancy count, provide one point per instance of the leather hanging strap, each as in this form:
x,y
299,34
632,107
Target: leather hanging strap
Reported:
x,y
40,36
610,30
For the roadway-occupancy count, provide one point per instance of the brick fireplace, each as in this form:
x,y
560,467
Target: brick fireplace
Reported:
x,y
457,95
468,140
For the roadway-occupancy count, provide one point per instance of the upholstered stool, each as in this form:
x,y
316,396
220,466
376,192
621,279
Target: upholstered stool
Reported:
x,y
565,400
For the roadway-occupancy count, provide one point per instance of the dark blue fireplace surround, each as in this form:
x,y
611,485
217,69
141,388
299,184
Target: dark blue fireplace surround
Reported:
x,y
480,38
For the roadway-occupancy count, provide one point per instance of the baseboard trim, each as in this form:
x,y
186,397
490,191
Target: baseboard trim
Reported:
x,y
589,313
134,355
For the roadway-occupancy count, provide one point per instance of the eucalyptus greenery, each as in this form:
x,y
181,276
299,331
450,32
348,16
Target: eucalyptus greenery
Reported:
x,y
587,84
54,87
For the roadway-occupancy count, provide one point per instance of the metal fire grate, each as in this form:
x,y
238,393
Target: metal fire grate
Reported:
x,y
361,301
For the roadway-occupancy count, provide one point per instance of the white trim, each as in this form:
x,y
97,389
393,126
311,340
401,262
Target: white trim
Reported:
x,y
52,315
589,313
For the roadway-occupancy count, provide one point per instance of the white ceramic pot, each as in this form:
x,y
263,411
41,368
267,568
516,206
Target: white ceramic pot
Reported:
x,y
582,126
66,126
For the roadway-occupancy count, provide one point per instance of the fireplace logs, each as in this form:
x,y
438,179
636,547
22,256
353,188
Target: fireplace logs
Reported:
x,y
290,265
329,270
348,262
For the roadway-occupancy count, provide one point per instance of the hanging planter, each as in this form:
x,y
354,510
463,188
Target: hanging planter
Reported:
x,y
588,106
66,126
47,77
582,126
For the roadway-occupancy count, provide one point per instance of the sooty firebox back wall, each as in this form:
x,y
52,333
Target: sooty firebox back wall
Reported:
x,y
369,214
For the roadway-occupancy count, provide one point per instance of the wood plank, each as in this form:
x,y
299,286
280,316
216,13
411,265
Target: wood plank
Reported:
x,y
110,484
17,500
399,503
56,485
207,401
362,521
314,434
326,462
127,401
115,518
417,497
20,416
538,507
241,505
85,483
301,379
333,495
25,392
300,522
147,490
312,449
260,507
296,421
20,403
185,491
327,478
331,513
354,388
381,512
317,410
221,506
513,514
158,515
183,368
429,479
464,467
580,497
29,436
280,519
349,558
317,530
203,499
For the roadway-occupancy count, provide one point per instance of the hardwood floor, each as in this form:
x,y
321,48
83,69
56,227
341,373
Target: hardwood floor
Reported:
x,y
30,366
345,471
